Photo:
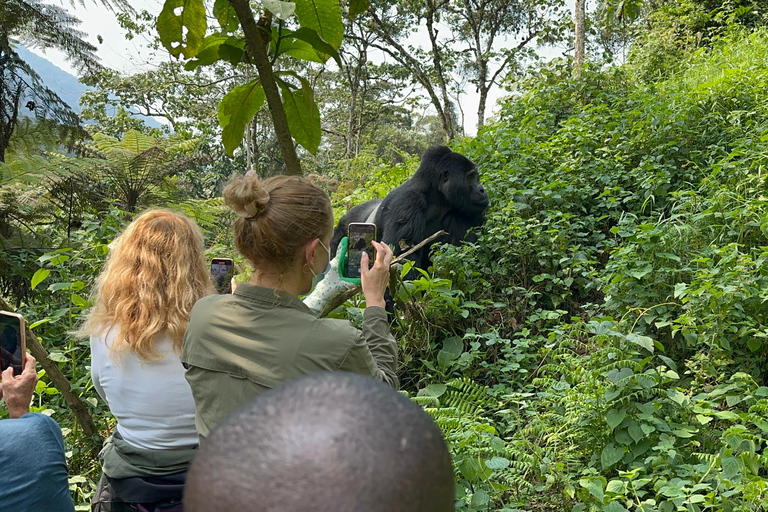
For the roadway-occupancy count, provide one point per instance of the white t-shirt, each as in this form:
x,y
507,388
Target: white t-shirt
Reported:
x,y
151,399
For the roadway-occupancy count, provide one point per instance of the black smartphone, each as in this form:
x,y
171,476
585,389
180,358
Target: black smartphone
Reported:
x,y
222,271
13,345
360,235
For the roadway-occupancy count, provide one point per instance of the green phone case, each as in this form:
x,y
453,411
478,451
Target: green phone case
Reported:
x,y
343,247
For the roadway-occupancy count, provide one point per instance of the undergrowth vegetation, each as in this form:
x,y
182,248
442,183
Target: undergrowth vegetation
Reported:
x,y
604,344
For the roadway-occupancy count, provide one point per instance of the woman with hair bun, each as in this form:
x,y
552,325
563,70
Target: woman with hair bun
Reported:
x,y
154,274
237,346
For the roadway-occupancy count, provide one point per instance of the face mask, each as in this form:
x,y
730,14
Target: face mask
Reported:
x,y
316,278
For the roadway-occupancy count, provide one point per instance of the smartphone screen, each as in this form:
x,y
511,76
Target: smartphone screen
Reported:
x,y
360,234
222,271
12,338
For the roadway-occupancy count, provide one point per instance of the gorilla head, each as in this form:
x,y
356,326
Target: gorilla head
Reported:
x,y
444,193
455,177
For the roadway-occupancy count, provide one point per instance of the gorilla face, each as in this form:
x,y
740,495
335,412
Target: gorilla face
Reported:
x,y
461,185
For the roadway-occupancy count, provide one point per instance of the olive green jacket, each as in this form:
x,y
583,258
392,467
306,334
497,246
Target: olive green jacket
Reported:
x,y
237,346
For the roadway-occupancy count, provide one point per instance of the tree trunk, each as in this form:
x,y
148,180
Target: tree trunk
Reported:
x,y
481,106
580,31
448,125
258,50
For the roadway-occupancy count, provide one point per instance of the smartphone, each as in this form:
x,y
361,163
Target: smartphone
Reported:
x,y
360,234
222,271
13,341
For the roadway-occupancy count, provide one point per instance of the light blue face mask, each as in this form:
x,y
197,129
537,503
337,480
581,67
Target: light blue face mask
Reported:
x,y
316,278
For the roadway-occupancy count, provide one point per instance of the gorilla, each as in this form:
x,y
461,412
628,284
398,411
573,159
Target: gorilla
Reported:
x,y
444,193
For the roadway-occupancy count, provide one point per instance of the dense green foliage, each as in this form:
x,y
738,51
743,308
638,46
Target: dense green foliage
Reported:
x,y
604,344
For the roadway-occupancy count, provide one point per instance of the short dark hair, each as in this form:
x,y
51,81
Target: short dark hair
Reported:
x,y
330,441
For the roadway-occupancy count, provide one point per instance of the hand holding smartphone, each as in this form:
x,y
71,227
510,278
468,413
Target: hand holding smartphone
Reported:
x,y
222,272
13,346
360,235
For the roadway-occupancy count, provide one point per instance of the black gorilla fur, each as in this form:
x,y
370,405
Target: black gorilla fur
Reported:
x,y
444,193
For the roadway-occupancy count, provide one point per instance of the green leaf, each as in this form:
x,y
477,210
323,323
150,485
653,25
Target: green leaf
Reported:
x,y
594,485
323,49
208,52
643,341
170,27
300,50
611,455
497,463
58,357
761,391
59,286
676,396
754,344
635,432
436,390
236,110
732,466
281,10
226,16
480,499
302,113
726,415
77,300
452,349
324,17
680,290
703,419
619,374
616,487
615,417
640,272
39,277
614,506
357,7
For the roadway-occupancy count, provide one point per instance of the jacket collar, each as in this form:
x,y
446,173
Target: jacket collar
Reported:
x,y
270,297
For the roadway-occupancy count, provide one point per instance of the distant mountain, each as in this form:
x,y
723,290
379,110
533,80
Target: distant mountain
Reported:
x,y
59,81
62,83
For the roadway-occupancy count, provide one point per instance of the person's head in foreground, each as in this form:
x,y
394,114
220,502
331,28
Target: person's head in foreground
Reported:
x,y
324,442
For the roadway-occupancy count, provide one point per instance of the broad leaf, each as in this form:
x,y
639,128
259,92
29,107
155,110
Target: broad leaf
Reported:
x,y
643,341
611,455
480,499
39,277
236,110
452,349
358,7
436,390
282,10
323,49
302,113
208,52
615,417
226,16
594,485
300,50
497,463
170,27
324,17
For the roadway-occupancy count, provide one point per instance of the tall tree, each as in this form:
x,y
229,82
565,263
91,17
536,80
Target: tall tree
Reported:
x,y
22,92
493,36
580,31
393,23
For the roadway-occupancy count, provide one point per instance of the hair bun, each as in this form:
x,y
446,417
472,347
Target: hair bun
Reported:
x,y
246,196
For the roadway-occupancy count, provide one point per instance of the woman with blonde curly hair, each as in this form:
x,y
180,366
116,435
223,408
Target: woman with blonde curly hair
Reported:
x,y
154,274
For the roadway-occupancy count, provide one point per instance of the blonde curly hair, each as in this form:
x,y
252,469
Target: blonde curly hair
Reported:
x,y
154,274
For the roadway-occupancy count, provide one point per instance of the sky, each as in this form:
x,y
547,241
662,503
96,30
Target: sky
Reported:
x,y
133,56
